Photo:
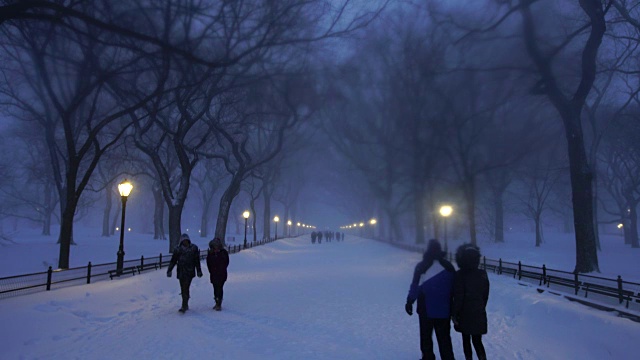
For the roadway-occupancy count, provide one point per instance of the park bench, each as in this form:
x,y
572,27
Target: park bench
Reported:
x,y
551,279
489,267
128,270
147,266
624,295
510,271
532,275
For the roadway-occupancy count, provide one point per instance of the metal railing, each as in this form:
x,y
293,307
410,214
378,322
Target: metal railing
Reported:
x,y
54,279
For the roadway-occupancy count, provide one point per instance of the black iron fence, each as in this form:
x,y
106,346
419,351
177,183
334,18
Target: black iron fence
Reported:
x,y
53,279
604,290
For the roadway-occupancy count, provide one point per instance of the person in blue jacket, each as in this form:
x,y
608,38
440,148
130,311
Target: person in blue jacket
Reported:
x,y
432,287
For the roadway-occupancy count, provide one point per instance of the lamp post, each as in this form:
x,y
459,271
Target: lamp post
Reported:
x,y
124,188
445,211
276,219
297,229
245,215
289,228
373,223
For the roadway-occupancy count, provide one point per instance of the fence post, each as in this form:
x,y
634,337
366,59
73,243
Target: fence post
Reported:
x,y
500,266
49,272
160,260
89,273
141,261
544,274
519,270
575,281
620,296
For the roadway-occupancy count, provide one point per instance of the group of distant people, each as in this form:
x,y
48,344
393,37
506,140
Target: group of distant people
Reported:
x,y
186,258
328,236
445,295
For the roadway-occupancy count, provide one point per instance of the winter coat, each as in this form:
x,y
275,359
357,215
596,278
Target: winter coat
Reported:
x,y
217,263
470,296
432,287
187,260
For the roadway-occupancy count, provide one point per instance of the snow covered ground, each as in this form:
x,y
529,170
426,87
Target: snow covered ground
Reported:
x,y
294,300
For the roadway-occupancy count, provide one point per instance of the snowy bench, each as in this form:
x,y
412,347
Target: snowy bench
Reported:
x,y
551,279
622,295
531,275
128,270
148,266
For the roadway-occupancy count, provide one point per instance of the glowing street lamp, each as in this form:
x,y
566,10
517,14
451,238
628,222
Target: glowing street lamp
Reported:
x,y
276,219
289,227
124,188
445,211
245,215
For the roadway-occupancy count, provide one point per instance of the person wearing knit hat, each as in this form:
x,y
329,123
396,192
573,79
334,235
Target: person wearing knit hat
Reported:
x,y
217,263
186,257
470,296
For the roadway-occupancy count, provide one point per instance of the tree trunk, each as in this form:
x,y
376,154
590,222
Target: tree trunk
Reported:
x,y
470,197
498,204
225,206
582,198
594,204
538,230
48,209
175,225
204,220
419,216
633,226
158,214
66,234
106,231
267,214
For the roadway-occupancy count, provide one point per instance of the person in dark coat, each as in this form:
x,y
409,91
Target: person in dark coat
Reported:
x,y
217,263
319,237
313,237
470,296
187,258
432,287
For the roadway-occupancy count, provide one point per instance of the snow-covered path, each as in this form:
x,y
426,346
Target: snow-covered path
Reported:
x,y
294,300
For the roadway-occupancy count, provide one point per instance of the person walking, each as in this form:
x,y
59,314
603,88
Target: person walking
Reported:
x,y
470,296
217,263
186,256
432,287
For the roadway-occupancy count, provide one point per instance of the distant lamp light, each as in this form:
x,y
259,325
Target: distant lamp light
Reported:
x,y
620,226
373,221
446,210
361,224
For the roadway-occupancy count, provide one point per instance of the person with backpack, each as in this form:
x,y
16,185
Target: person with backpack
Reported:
x,y
432,287
186,256
217,263
470,296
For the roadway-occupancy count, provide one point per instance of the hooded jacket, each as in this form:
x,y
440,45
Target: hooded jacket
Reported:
x,y
217,263
187,259
432,284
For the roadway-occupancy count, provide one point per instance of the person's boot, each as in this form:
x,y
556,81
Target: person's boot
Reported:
x,y
185,305
218,306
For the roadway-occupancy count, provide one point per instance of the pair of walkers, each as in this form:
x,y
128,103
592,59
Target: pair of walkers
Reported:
x,y
444,295
186,258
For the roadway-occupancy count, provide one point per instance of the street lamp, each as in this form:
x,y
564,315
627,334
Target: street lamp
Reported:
x,y
245,215
289,227
276,219
297,229
124,188
445,211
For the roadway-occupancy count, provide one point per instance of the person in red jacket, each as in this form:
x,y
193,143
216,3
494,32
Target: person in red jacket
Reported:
x,y
217,263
